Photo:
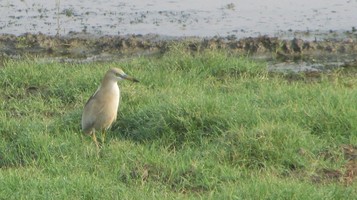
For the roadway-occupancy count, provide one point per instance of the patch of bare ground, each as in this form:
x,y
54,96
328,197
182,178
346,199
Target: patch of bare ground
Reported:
x,y
346,175
81,45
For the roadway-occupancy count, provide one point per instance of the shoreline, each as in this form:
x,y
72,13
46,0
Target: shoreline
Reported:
x,y
84,46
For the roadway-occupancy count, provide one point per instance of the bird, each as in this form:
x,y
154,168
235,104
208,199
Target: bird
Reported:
x,y
101,109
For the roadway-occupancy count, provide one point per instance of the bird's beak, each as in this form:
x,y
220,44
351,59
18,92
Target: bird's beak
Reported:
x,y
127,77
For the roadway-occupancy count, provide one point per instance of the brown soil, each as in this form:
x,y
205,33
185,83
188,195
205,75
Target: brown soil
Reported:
x,y
79,45
347,175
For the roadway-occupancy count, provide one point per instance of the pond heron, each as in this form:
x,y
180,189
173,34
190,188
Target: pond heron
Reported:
x,y
101,109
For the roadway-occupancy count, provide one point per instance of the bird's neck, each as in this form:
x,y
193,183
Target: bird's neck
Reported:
x,y
109,84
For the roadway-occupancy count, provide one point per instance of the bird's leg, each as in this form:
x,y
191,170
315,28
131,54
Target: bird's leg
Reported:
x,y
103,136
95,140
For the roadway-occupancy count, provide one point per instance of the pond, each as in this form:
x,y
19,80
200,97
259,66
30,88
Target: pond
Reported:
x,y
242,18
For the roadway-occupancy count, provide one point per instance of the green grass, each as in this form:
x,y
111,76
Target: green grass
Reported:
x,y
207,125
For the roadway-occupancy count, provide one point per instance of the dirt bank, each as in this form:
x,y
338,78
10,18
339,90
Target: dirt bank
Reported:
x,y
84,46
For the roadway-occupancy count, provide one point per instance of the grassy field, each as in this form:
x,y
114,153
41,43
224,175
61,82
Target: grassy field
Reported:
x,y
198,126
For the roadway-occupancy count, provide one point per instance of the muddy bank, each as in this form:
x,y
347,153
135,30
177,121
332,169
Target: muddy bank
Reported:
x,y
84,46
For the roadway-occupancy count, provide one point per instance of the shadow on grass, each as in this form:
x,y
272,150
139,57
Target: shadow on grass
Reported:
x,y
172,125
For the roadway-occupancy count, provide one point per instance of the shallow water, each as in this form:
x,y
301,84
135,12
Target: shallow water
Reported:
x,y
242,18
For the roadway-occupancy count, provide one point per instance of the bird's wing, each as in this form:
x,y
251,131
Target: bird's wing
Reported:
x,y
89,115
93,96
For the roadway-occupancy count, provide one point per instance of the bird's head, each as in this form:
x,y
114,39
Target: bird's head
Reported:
x,y
118,74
